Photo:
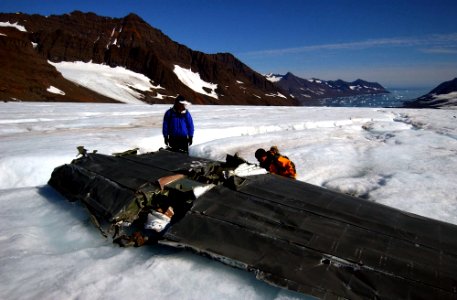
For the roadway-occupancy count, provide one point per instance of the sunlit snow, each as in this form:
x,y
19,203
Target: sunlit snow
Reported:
x,y
54,90
278,94
194,81
273,78
451,98
14,25
50,250
117,83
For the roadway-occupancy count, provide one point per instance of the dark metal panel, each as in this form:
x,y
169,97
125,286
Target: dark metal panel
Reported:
x,y
294,245
125,172
290,233
170,161
368,215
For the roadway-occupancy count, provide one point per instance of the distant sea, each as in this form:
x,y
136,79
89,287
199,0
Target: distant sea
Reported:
x,y
395,98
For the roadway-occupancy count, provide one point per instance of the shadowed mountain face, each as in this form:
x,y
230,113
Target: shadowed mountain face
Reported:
x,y
310,89
444,95
28,42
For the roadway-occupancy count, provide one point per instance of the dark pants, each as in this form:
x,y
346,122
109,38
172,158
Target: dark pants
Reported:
x,y
179,144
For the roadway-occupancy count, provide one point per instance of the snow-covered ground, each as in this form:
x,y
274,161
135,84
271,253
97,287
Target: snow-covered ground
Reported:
x,y
50,250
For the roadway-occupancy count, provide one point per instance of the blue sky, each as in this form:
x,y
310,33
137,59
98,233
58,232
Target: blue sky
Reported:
x,y
402,43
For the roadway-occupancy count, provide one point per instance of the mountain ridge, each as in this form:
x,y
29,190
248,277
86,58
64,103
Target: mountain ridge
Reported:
x,y
442,96
30,43
127,42
306,90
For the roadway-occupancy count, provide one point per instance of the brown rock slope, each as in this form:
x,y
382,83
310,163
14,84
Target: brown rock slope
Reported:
x,y
128,42
25,75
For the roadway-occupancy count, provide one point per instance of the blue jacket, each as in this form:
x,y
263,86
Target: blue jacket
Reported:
x,y
177,125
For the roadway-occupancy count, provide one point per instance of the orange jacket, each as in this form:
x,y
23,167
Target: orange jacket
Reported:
x,y
281,165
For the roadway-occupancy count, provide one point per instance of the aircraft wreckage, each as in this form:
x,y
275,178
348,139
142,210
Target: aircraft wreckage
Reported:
x,y
289,233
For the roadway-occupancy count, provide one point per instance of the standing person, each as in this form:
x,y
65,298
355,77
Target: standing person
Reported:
x,y
178,126
276,163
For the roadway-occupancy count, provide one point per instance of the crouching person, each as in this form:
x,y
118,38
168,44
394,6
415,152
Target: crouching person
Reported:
x,y
276,163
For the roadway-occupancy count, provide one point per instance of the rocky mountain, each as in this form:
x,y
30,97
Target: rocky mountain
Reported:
x,y
443,96
30,45
311,89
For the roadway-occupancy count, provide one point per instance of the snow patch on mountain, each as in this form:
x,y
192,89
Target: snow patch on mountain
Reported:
x,y
117,83
15,25
276,95
54,90
451,97
273,77
193,81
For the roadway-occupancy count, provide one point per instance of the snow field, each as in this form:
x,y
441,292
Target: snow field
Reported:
x,y
49,248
